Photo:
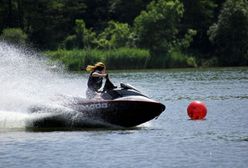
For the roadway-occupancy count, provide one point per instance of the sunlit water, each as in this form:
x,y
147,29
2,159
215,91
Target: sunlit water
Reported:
x,y
170,141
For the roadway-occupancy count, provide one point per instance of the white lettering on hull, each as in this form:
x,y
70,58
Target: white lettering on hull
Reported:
x,y
94,106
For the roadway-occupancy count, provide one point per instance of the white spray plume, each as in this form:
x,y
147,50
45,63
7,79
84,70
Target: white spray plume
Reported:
x,y
27,79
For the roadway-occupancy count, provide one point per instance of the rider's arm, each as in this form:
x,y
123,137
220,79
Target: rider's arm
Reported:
x,y
97,74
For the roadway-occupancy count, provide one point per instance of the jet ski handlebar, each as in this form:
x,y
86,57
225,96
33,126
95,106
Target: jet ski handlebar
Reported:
x,y
110,86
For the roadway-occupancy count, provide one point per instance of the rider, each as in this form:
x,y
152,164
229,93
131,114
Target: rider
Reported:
x,y
98,72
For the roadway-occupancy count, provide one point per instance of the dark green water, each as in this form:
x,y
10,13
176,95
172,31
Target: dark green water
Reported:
x,y
170,141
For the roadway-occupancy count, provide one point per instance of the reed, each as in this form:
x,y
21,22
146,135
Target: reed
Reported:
x,y
122,58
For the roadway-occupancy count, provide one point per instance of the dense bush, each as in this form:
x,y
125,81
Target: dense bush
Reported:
x,y
230,34
115,35
175,59
157,27
14,36
70,42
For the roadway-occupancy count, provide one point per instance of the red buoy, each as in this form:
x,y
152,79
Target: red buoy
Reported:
x,y
197,110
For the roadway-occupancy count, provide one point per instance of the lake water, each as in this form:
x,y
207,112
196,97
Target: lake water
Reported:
x,y
172,140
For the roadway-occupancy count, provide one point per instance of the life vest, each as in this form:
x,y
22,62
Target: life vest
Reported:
x,y
94,83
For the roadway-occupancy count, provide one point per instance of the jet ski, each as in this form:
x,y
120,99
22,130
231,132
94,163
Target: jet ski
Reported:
x,y
123,106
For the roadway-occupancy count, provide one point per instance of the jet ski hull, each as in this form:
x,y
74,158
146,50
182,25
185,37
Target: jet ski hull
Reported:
x,y
104,113
124,113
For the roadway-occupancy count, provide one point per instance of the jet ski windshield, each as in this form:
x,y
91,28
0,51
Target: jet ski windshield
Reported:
x,y
111,92
128,86
120,93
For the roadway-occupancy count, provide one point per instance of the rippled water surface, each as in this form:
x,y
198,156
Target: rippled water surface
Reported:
x,y
170,141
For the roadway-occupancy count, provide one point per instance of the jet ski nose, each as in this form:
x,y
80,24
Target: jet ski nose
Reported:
x,y
162,107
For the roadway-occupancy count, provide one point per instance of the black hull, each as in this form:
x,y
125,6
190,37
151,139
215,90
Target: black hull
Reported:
x,y
121,113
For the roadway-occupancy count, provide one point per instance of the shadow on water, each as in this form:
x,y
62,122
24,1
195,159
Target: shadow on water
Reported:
x,y
117,129
93,129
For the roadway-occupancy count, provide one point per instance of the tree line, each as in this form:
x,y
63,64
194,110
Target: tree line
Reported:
x,y
211,32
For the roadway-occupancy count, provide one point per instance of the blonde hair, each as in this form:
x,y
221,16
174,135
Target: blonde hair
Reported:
x,y
93,67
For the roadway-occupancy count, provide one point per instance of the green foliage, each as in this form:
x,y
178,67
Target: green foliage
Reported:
x,y
14,36
47,22
85,38
213,62
125,11
70,42
230,33
80,30
115,35
178,59
127,58
157,27
174,59
169,29
184,43
122,58
199,15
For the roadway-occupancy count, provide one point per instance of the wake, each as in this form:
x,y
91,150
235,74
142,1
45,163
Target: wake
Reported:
x,y
28,80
